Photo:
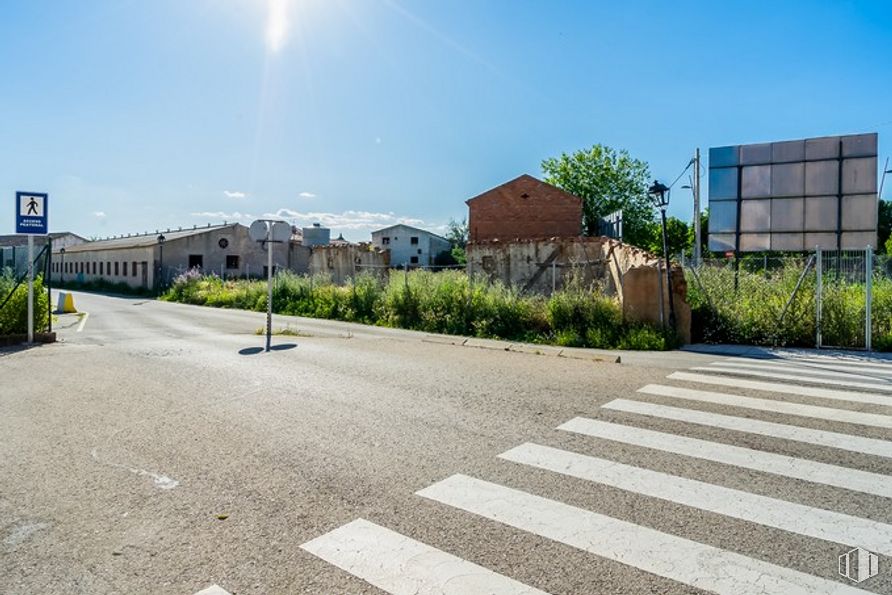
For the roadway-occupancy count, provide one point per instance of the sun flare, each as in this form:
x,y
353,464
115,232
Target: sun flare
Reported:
x,y
277,24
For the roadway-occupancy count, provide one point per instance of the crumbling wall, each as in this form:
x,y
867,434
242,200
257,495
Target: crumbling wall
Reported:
x,y
635,277
343,262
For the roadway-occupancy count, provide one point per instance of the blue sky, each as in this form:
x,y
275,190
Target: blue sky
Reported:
x,y
144,114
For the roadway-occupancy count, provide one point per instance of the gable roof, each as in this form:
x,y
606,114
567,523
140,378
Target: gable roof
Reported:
x,y
528,179
418,229
145,239
20,239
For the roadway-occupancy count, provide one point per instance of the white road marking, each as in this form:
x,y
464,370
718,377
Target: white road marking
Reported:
x,y
683,560
796,518
161,481
213,590
813,379
788,389
806,372
848,362
766,462
403,566
870,370
80,326
882,448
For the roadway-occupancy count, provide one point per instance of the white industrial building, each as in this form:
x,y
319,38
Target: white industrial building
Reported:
x,y
152,259
410,246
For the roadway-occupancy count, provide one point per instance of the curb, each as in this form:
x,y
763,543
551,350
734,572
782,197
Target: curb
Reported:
x,y
529,348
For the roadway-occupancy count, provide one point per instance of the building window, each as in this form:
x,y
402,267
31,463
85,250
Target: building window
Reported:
x,y
196,261
101,268
232,261
385,241
414,260
134,268
117,268
94,267
413,240
124,268
108,268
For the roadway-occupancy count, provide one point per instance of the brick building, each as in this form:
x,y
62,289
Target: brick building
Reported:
x,y
524,208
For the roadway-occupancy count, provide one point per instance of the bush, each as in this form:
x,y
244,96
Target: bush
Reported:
x,y
751,313
446,302
14,315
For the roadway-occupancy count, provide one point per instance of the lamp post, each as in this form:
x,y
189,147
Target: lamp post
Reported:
x,y
886,170
62,265
161,239
659,196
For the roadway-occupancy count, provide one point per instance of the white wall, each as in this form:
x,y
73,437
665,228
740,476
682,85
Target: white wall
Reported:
x,y
402,249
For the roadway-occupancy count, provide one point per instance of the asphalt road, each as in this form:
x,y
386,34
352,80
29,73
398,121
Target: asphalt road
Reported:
x,y
154,450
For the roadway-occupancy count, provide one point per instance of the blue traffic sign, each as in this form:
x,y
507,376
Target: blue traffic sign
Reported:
x,y
31,213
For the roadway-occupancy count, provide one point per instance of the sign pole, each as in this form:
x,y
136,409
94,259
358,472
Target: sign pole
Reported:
x,y
30,288
269,289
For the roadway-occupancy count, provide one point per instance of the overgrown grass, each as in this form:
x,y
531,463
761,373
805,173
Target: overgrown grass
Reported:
x,y
751,313
448,302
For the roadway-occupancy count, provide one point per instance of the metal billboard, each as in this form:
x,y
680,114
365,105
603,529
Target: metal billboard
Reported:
x,y
794,195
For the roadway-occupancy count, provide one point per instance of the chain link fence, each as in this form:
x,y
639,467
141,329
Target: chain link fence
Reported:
x,y
840,299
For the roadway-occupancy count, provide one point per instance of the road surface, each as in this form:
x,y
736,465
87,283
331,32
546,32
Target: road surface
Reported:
x,y
154,450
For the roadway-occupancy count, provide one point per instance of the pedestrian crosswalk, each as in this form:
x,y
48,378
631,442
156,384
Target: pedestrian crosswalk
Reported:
x,y
806,402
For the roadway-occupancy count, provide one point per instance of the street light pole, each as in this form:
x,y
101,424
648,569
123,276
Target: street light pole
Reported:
x,y
160,282
62,266
659,194
886,170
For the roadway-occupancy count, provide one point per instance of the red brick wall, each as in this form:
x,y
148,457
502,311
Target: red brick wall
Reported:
x,y
504,213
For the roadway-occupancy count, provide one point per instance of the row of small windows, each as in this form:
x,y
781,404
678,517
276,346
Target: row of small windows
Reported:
x,y
103,268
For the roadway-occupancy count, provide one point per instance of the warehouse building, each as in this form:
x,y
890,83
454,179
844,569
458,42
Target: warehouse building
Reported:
x,y
151,260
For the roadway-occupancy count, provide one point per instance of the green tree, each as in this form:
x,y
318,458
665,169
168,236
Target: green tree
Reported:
x,y
457,233
884,226
679,237
606,180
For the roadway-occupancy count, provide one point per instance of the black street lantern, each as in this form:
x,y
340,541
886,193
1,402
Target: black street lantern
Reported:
x,y
161,239
62,265
659,196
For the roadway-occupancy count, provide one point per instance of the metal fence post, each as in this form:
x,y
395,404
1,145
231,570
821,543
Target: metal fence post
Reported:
x,y
819,291
868,297
553,275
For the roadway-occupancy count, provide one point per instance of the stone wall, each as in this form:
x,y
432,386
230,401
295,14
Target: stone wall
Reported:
x,y
343,262
635,277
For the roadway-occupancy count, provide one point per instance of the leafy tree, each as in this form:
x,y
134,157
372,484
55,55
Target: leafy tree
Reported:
x,y
884,226
679,237
457,233
606,180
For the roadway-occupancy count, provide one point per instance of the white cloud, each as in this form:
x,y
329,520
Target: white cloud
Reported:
x,y
355,220
234,216
99,214
234,194
307,195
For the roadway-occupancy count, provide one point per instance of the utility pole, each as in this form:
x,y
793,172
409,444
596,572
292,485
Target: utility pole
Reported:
x,y
696,188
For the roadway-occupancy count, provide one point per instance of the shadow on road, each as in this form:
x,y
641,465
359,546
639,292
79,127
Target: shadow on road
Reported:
x,y
256,350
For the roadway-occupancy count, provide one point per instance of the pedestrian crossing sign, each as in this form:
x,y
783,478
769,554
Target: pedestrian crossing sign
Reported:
x,y
31,213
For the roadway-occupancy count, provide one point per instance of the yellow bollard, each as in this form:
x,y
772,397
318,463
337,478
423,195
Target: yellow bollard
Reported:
x,y
65,304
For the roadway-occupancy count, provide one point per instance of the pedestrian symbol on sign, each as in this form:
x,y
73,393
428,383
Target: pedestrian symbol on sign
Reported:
x,y
32,207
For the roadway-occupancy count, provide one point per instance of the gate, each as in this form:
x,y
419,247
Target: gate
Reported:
x,y
843,298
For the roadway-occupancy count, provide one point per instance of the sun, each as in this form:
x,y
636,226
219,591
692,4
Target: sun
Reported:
x,y
277,24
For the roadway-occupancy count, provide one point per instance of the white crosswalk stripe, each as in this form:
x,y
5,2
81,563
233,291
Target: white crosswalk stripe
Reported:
x,y
880,371
756,460
403,566
848,442
812,411
796,518
683,560
804,373
848,363
813,379
783,388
